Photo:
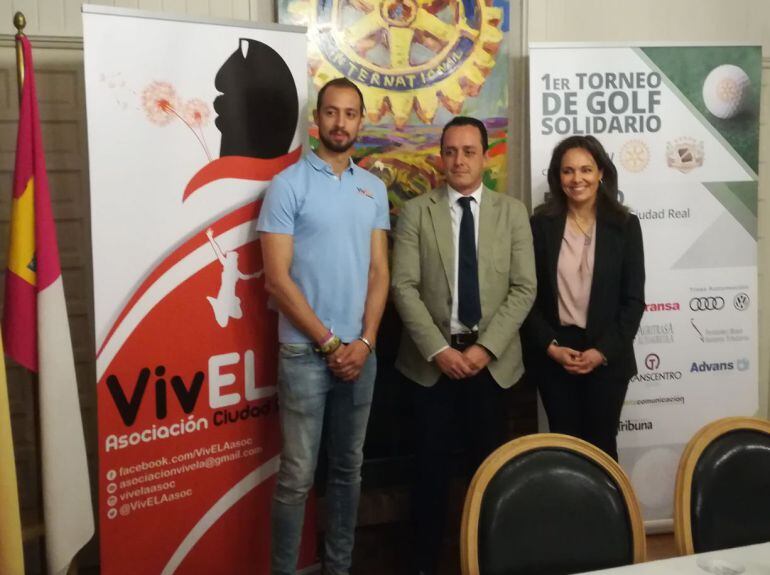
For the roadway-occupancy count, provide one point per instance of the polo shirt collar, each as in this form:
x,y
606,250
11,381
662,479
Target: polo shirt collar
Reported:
x,y
323,166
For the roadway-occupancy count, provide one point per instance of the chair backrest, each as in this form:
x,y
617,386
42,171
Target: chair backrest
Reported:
x,y
549,504
722,494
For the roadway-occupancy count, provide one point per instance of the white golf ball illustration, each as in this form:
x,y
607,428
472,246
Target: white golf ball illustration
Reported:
x,y
726,91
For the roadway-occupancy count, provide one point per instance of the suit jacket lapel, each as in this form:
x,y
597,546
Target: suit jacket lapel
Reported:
x,y
489,215
602,265
442,227
555,234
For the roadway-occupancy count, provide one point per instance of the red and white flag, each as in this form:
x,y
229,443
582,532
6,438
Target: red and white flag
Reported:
x,y
36,333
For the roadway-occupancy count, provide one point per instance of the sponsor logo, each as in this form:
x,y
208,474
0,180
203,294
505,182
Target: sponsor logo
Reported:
x,y
667,306
635,425
707,303
652,361
634,155
684,154
704,366
719,335
741,364
741,301
653,376
711,289
673,399
655,333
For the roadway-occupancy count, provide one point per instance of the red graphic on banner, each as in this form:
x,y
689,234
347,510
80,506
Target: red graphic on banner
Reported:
x,y
188,414
239,167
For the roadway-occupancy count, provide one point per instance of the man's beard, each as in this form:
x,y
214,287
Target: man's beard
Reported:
x,y
333,146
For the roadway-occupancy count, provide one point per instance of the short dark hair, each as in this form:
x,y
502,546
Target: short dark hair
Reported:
x,y
467,121
607,195
339,83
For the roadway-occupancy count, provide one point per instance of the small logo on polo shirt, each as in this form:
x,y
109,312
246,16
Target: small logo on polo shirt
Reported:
x,y
366,193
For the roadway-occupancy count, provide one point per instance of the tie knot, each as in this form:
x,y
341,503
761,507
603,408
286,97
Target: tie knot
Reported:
x,y
465,202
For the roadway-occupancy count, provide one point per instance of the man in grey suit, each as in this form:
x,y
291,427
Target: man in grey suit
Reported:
x,y
463,281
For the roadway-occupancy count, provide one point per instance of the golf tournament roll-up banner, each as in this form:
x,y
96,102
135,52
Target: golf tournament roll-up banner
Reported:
x,y
681,124
187,124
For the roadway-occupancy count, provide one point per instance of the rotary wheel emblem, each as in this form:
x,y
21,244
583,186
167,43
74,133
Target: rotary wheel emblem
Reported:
x,y
405,55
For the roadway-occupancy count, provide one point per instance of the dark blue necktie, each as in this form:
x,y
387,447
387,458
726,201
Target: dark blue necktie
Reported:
x,y
469,302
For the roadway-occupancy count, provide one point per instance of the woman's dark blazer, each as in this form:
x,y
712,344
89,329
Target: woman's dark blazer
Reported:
x,y
616,302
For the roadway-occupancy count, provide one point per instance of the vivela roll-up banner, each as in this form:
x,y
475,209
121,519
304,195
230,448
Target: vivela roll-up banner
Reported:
x,y
187,123
682,126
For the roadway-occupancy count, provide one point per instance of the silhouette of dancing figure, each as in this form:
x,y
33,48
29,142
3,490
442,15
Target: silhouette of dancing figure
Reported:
x,y
227,305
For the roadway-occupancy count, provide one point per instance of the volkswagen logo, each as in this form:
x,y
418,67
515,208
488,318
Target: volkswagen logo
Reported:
x,y
652,361
741,301
707,303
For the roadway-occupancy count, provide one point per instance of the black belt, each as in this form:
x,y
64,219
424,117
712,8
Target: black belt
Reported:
x,y
463,340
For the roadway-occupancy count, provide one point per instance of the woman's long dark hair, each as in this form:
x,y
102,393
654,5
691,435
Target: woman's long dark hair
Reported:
x,y
607,197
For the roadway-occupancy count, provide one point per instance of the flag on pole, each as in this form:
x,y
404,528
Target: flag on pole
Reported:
x,y
11,552
36,334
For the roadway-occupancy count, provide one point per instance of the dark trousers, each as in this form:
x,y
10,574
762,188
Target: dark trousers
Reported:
x,y
585,406
451,414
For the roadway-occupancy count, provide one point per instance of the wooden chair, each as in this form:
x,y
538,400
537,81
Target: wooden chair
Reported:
x,y
549,504
722,496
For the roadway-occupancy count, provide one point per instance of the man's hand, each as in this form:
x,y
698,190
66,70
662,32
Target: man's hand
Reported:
x,y
453,364
567,357
478,357
347,361
586,362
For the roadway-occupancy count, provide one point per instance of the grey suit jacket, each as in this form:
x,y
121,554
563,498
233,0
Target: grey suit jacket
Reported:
x,y
422,282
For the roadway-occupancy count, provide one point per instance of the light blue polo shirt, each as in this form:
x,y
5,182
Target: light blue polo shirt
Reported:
x,y
331,220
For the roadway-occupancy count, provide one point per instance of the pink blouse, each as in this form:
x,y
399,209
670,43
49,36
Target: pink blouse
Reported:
x,y
574,274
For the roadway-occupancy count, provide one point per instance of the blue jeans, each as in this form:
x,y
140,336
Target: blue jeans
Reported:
x,y
308,391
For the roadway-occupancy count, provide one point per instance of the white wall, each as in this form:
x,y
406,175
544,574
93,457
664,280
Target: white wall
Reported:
x,y
740,21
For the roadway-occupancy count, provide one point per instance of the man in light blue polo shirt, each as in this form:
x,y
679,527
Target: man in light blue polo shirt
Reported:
x,y
323,234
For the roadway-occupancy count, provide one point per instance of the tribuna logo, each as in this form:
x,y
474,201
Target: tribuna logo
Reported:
x,y
667,306
635,425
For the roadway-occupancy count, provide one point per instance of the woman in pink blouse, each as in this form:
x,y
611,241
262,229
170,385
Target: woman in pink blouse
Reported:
x,y
590,295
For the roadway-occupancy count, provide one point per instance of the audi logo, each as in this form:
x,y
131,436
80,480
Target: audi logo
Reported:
x,y
707,303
